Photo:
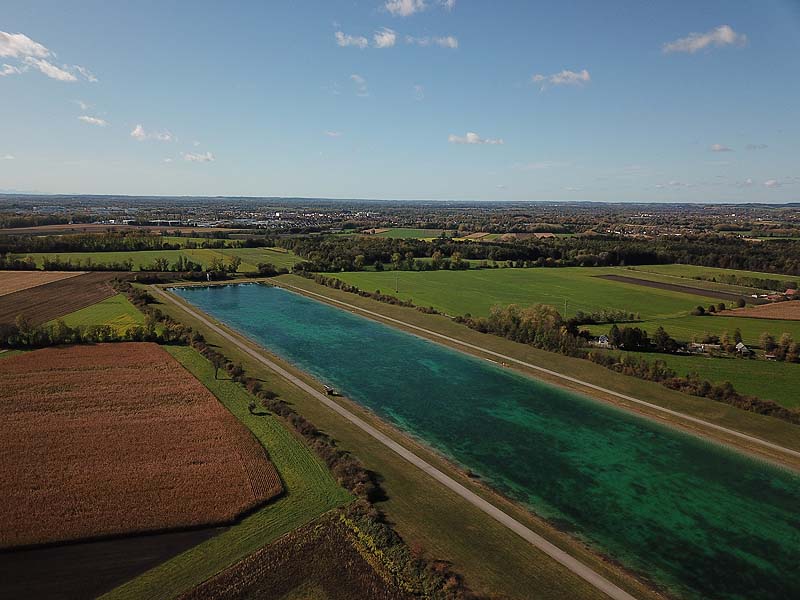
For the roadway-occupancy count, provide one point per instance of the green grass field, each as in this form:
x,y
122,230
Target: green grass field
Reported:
x,y
116,311
768,380
476,291
409,233
310,491
143,258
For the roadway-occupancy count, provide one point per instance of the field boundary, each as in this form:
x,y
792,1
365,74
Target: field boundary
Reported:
x,y
553,551
550,372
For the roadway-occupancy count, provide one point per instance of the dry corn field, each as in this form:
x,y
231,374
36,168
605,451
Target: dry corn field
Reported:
x,y
15,281
118,439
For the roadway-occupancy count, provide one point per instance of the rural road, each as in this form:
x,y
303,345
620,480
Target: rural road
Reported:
x,y
553,551
586,384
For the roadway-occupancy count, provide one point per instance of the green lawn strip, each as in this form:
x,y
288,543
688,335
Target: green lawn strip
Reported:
x,y
424,512
691,271
770,380
116,311
310,491
9,353
767,428
476,291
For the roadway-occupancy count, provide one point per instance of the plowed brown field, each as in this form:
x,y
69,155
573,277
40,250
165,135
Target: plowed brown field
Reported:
x,y
117,439
52,300
789,311
15,281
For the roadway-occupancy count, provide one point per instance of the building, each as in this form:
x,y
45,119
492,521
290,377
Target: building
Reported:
x,y
742,349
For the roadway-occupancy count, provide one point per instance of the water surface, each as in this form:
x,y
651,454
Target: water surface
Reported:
x,y
695,517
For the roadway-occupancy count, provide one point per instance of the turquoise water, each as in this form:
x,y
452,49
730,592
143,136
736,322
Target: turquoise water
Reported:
x,y
692,516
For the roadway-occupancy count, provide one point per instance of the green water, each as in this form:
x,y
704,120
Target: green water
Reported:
x,y
701,520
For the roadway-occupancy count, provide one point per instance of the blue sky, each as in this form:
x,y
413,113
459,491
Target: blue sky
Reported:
x,y
404,99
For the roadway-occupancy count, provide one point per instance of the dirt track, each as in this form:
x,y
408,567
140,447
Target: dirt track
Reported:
x,y
672,287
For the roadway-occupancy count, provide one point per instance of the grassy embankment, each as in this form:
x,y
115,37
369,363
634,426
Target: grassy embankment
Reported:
x,y
492,558
143,258
310,491
767,428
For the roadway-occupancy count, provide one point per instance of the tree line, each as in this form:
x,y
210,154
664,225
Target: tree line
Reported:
x,y
351,253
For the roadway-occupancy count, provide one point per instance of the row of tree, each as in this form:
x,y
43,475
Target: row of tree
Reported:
x,y
340,253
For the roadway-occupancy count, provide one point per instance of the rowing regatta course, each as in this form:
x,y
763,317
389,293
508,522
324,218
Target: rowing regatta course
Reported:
x,y
697,518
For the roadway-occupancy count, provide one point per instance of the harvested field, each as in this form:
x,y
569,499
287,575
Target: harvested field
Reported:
x,y
789,311
52,300
116,439
672,287
283,569
16,281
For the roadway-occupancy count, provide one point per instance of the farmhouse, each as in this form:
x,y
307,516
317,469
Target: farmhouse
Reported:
x,y
742,349
603,342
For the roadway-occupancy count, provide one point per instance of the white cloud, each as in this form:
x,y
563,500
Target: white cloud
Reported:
x,y
747,182
333,134
93,120
31,54
18,45
404,8
385,38
361,85
472,138
673,184
140,135
419,92
772,183
351,40
756,147
167,160
83,105
447,41
565,77
86,73
8,157
720,148
448,4
7,70
501,186
192,157
723,35
49,69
